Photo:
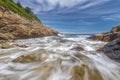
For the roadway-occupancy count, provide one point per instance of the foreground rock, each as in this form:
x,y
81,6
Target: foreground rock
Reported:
x,y
79,72
34,57
78,48
14,26
6,45
113,34
112,49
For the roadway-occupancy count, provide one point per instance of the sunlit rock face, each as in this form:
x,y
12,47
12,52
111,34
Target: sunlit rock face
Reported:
x,y
111,35
14,26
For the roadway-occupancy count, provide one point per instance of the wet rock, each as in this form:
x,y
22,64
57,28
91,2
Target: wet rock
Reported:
x,y
34,57
19,45
79,73
23,46
78,48
112,49
6,45
3,41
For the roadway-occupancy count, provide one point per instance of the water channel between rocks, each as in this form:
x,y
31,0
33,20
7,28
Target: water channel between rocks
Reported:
x,y
57,58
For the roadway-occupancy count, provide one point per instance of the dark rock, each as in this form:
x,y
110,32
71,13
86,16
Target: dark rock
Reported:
x,y
78,48
112,49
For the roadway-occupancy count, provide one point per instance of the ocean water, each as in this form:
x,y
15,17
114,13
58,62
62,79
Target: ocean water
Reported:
x,y
62,62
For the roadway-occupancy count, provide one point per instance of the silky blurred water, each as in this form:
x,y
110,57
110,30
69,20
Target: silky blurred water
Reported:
x,y
61,60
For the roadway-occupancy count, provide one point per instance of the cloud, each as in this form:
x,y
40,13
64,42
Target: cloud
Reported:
x,y
76,15
113,17
48,5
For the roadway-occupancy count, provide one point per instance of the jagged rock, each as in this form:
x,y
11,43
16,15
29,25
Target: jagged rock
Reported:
x,y
113,34
112,49
116,29
78,48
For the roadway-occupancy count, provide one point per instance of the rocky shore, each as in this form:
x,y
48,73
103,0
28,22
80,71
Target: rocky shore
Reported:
x,y
111,35
13,26
112,48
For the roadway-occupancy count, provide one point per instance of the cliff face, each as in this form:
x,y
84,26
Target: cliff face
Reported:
x,y
14,26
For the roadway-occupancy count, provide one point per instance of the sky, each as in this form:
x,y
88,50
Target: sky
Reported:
x,y
79,16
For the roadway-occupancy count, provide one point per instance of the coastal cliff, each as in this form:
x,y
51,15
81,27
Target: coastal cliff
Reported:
x,y
14,25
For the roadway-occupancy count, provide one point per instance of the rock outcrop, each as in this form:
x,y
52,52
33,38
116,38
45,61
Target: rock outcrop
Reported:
x,y
14,26
112,48
113,34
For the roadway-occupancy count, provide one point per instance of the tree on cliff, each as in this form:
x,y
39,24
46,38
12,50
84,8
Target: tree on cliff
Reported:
x,y
28,10
19,4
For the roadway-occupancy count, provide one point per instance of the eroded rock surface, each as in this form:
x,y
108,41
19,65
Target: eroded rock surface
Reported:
x,y
14,26
113,34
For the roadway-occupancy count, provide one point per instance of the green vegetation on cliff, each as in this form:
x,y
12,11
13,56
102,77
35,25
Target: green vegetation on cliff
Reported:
x,y
17,8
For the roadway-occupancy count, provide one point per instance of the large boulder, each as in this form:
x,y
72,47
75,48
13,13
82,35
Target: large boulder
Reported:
x,y
112,49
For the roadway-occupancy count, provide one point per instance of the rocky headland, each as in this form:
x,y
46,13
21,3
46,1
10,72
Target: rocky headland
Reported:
x,y
15,26
112,48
